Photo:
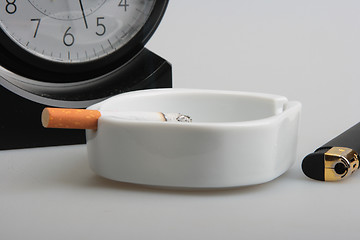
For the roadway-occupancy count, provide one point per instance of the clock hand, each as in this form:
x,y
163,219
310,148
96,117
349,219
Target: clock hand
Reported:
x,y
83,13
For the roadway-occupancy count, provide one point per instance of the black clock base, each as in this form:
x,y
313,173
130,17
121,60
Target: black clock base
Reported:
x,y
20,123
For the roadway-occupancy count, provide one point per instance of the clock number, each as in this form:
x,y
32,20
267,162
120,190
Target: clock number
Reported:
x,y
68,38
124,4
37,26
102,26
10,6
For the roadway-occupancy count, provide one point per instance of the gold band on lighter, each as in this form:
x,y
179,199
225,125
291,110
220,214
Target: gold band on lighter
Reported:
x,y
335,160
340,162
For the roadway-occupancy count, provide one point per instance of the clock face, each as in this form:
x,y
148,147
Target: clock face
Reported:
x,y
76,31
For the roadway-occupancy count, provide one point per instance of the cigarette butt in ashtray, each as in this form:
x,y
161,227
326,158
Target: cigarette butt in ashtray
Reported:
x,y
88,119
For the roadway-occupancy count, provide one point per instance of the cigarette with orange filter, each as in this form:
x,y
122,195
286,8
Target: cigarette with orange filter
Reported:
x,y
88,119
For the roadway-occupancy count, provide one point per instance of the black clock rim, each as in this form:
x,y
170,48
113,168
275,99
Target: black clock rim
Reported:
x,y
17,60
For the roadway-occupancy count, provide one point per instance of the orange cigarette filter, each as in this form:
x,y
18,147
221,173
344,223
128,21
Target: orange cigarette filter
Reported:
x,y
70,118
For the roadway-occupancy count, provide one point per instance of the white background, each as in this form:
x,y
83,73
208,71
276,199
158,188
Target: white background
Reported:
x,y
306,50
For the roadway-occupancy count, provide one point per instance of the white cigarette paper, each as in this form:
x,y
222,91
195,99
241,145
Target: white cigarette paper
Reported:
x,y
148,116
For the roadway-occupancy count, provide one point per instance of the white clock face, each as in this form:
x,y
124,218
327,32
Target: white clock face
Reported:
x,y
73,31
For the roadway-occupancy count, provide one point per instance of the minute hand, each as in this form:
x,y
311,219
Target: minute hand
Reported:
x,y
83,13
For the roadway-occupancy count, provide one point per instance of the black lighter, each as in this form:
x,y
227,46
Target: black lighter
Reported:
x,y
335,160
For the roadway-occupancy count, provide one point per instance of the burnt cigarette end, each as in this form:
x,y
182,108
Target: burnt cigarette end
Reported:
x,y
163,117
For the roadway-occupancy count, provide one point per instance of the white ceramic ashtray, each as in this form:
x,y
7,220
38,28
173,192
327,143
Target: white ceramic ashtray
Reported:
x,y
234,139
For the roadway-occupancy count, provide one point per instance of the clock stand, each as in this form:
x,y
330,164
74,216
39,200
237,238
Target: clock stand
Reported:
x,y
23,101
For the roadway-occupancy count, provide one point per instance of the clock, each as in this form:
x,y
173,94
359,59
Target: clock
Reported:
x,y
73,54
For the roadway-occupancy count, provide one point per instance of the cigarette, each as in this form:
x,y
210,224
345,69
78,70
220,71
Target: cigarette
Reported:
x,y
88,119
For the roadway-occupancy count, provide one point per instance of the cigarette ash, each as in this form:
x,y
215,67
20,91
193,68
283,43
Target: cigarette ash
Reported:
x,y
184,118
177,117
